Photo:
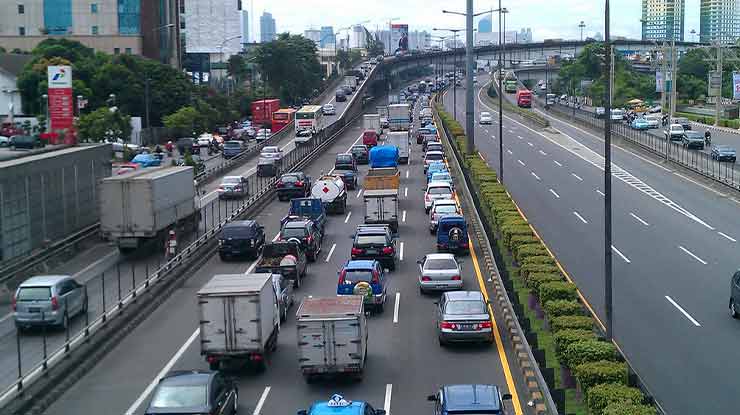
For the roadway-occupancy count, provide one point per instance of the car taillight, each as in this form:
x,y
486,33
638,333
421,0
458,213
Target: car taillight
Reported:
x,y
280,184
484,325
341,277
464,244
356,251
54,303
309,239
388,250
427,198
298,183
447,325
376,277
13,303
220,188
456,278
426,279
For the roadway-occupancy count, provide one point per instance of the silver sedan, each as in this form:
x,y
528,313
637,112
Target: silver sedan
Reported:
x,y
439,272
462,316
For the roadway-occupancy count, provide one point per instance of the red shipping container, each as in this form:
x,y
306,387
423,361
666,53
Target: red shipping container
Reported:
x,y
262,111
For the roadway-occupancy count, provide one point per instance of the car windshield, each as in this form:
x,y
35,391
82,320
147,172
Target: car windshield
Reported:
x,y
289,179
232,144
439,190
344,159
465,307
270,150
370,240
694,135
236,232
180,396
353,276
288,233
33,293
441,177
434,156
445,209
231,180
436,264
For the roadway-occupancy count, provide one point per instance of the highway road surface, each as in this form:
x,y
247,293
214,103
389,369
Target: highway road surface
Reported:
x,y
675,247
405,362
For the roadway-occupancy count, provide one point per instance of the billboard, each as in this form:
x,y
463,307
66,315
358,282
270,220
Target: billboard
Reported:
x,y
61,106
714,84
659,82
213,26
399,37
736,85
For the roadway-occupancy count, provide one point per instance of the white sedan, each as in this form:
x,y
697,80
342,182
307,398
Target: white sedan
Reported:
x,y
204,140
271,152
329,109
436,191
439,272
485,118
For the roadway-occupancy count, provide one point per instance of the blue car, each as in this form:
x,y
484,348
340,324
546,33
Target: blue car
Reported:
x,y
337,405
366,278
640,124
435,167
469,399
452,234
147,160
442,176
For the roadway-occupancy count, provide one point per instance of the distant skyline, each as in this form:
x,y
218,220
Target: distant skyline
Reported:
x,y
547,18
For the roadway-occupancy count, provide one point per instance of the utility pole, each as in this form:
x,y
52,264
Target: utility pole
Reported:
x,y
469,92
608,183
581,26
665,77
674,78
146,106
720,59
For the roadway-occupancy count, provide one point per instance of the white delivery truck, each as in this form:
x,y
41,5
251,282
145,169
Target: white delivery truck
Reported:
x,y
332,336
400,139
141,206
239,320
331,190
372,122
351,82
398,117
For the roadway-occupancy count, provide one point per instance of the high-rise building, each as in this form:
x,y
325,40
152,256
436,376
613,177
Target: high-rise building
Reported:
x,y
719,20
327,37
268,32
420,40
357,37
485,25
213,33
663,19
313,34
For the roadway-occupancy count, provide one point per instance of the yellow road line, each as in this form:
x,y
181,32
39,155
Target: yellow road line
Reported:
x,y
499,343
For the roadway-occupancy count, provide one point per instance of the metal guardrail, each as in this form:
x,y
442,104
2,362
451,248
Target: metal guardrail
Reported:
x,y
315,148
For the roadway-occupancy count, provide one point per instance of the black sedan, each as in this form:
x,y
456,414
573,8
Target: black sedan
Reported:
x,y
724,153
194,392
361,153
292,185
692,139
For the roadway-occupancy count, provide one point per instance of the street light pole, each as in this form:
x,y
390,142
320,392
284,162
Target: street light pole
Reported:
x,y
469,104
608,183
581,26
454,71
504,11
500,103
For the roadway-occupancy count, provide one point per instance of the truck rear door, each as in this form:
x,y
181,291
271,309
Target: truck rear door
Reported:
x,y
315,343
230,324
348,342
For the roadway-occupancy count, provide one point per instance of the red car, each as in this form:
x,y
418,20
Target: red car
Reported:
x,y
370,138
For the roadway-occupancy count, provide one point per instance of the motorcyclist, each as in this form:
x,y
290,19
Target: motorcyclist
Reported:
x,y
169,147
157,149
708,138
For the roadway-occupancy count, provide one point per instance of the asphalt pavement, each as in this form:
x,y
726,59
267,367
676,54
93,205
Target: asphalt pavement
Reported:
x,y
405,362
674,249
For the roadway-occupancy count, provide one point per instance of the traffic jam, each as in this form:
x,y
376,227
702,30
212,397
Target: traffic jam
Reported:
x,y
242,315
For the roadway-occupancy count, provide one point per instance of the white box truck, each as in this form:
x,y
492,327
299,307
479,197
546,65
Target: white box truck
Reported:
x,y
400,139
372,122
351,81
332,336
143,205
398,117
239,320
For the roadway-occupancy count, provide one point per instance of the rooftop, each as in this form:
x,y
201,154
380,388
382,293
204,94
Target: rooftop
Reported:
x,y
13,63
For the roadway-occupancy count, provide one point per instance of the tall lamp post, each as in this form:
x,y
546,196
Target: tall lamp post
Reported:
x,y
221,48
607,181
454,71
504,11
45,98
167,47
390,33
581,26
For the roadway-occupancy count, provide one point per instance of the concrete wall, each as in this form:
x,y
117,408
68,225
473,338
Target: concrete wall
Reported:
x,y
49,196
103,43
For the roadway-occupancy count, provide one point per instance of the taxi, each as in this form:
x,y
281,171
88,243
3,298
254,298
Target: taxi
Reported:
x,y
338,405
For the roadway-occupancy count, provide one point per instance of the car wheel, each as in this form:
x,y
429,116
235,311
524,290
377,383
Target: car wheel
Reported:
x,y
733,310
84,307
65,322
380,307
297,282
442,343
214,365
222,256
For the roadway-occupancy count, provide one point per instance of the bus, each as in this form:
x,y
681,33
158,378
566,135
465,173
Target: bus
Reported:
x,y
281,118
309,117
524,98
510,86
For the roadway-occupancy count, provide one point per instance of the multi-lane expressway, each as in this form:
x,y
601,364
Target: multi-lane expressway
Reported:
x,y
405,362
675,246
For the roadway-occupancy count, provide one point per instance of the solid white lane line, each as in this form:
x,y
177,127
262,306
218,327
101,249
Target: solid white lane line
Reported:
x,y
688,316
406,192
252,265
639,219
691,254
134,406
407,174
261,402
395,308
403,218
600,193
359,194
387,402
536,176
577,177
349,214
521,162
276,237
530,144
727,237
543,153
621,254
580,217
331,251
556,162
509,151
400,254
554,193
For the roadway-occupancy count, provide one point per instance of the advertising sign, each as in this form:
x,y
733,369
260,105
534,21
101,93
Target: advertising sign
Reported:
x,y
61,105
659,82
736,85
715,83
400,37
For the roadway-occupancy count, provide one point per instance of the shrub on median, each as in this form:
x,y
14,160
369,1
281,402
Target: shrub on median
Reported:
x,y
526,251
565,338
560,290
534,280
589,351
557,308
528,268
571,322
509,230
517,241
602,395
591,374
623,408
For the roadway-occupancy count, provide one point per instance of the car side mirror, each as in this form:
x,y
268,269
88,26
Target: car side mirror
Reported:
x,y
436,303
380,412
506,396
432,398
419,262
302,412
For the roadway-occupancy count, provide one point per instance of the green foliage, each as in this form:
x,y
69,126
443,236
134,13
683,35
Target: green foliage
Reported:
x,y
565,338
557,308
188,158
623,408
593,373
589,351
600,396
533,268
535,249
515,241
557,291
571,322
534,280
104,124
192,120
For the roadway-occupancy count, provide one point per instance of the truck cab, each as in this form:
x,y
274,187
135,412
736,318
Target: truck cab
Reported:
x,y
309,207
467,399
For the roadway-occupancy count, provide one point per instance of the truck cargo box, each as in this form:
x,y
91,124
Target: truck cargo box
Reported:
x,y
383,156
382,178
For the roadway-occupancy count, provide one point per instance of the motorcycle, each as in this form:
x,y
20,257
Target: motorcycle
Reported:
x,y
708,138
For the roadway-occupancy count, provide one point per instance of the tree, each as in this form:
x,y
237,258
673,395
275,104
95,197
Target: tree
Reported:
x,y
104,124
182,121
237,68
375,47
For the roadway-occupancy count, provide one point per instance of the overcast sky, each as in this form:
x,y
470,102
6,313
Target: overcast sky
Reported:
x,y
547,18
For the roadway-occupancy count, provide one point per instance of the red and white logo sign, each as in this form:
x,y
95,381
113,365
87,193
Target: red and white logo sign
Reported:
x,y
61,105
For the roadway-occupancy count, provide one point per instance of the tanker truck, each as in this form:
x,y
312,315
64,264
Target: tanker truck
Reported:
x,y
330,189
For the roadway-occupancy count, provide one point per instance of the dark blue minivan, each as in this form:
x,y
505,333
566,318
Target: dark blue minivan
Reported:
x,y
308,207
469,399
452,234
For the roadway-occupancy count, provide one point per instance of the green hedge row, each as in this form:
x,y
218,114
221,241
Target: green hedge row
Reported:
x,y
595,363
